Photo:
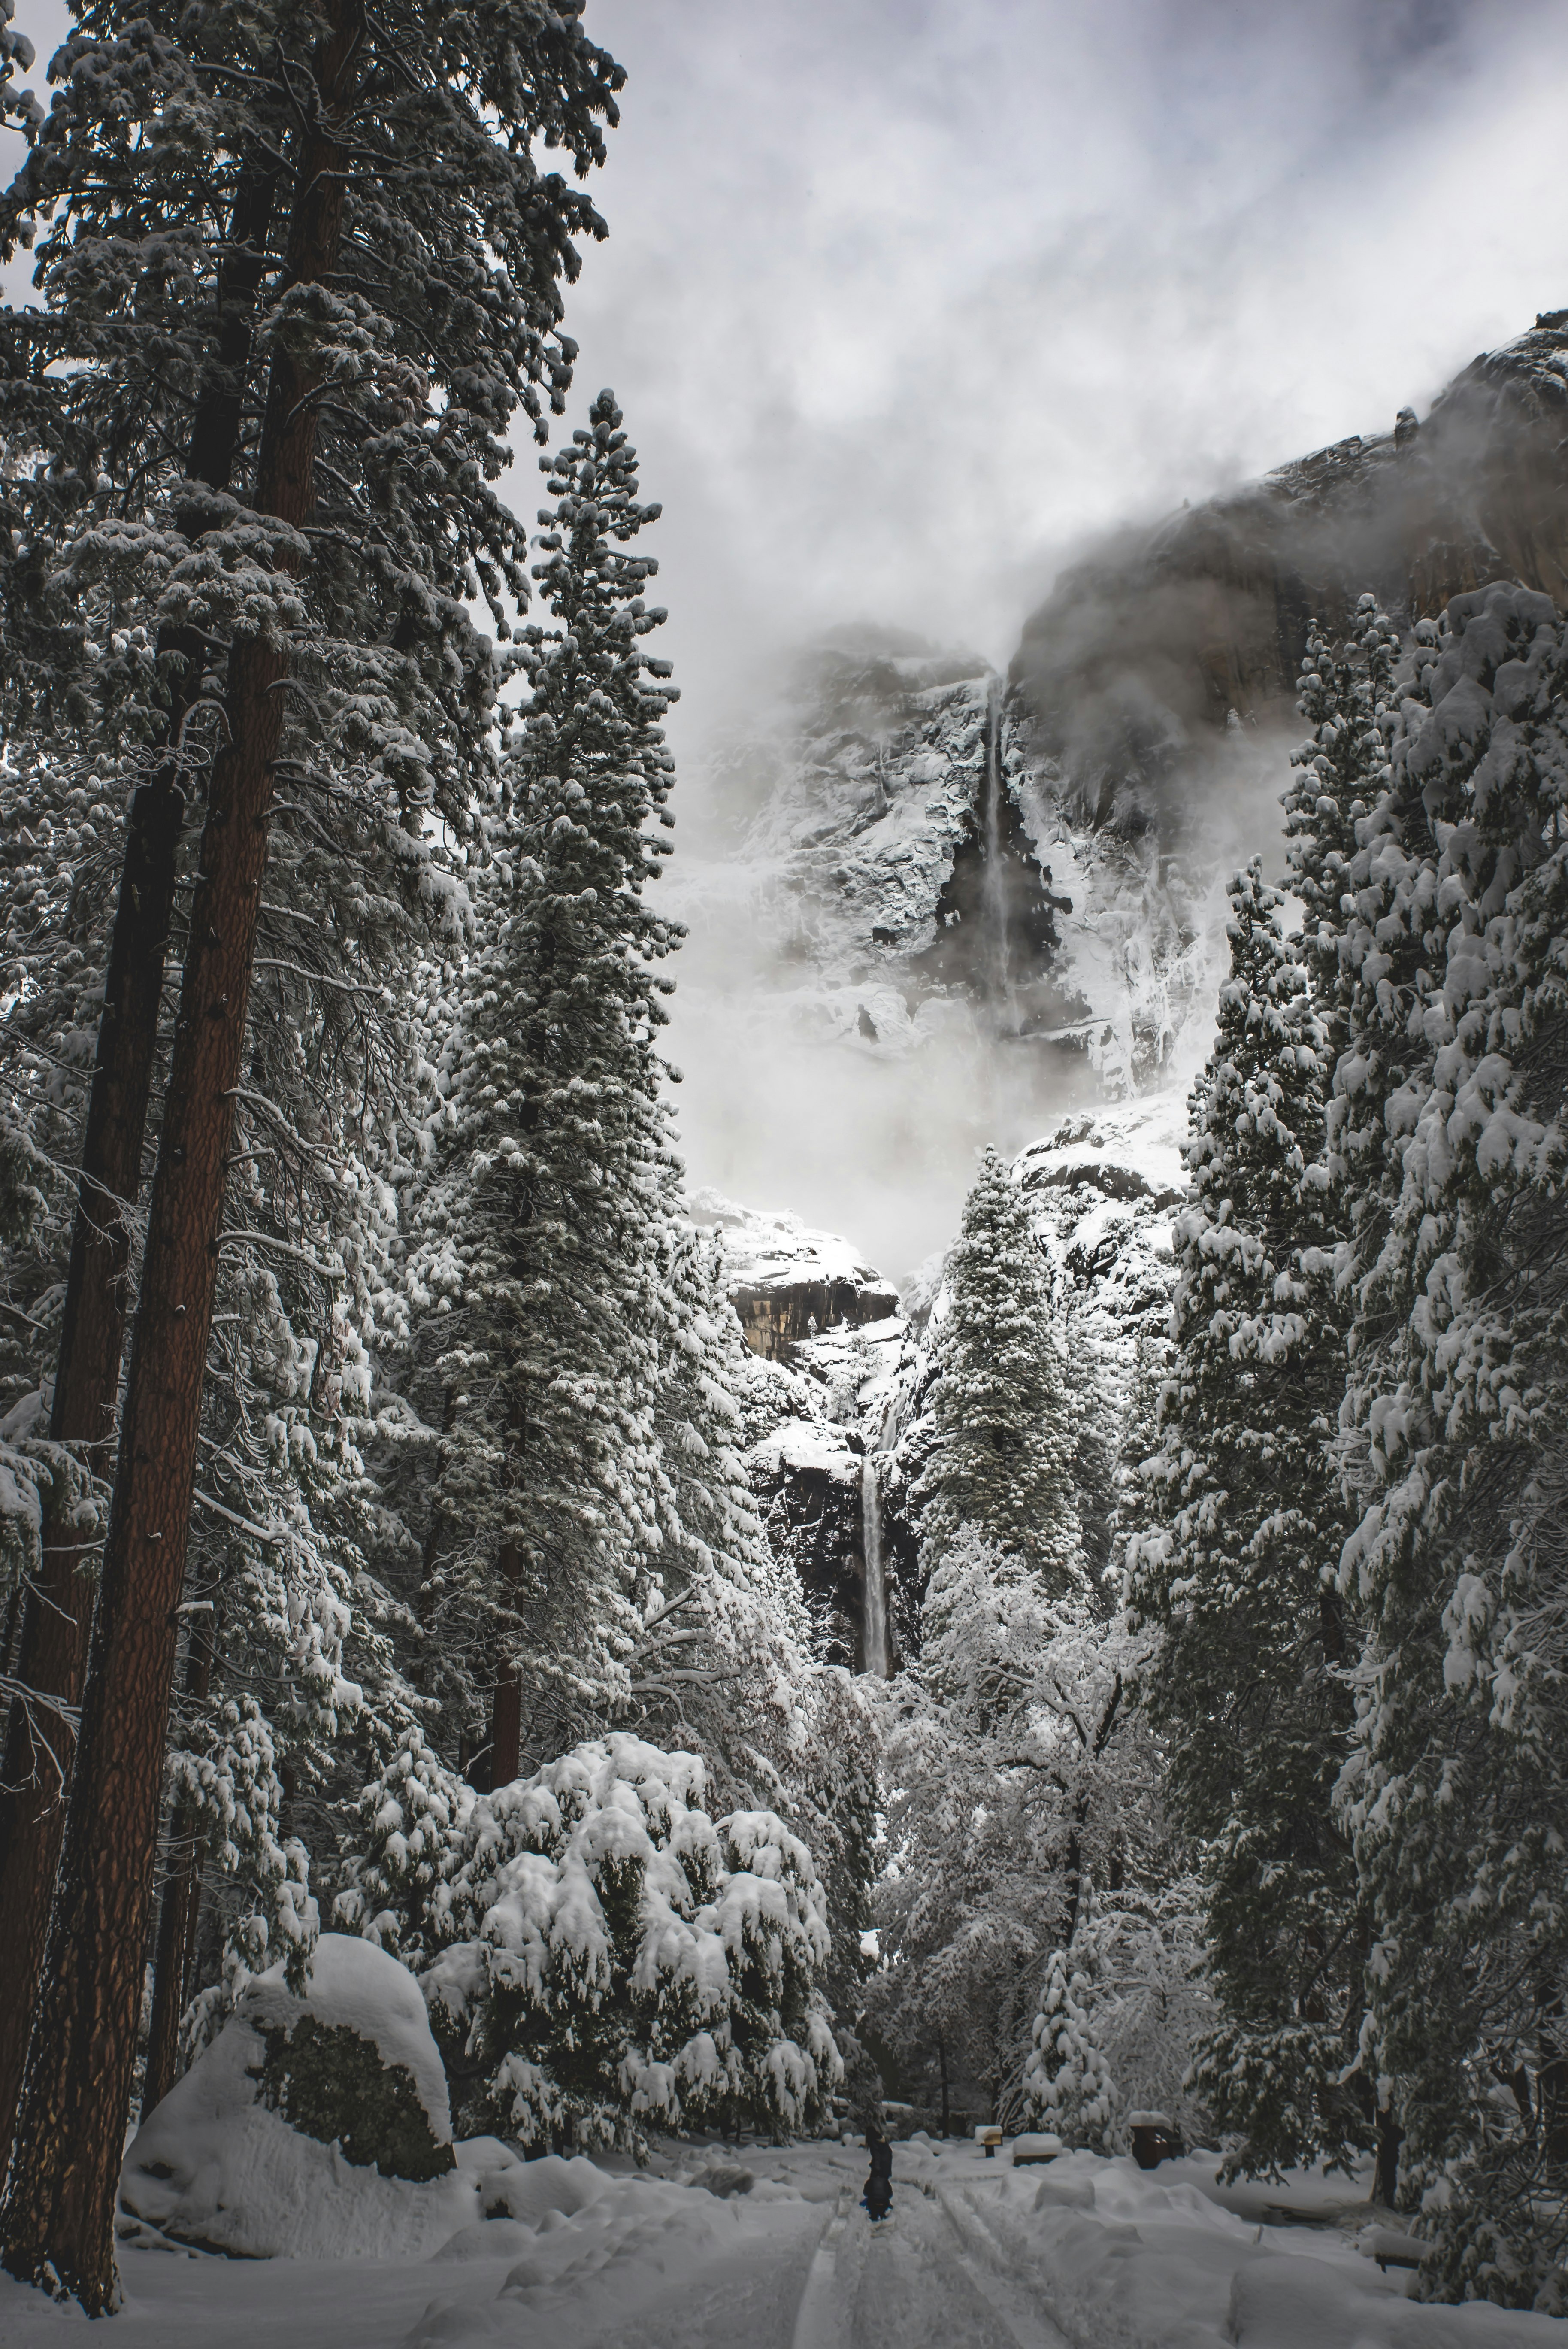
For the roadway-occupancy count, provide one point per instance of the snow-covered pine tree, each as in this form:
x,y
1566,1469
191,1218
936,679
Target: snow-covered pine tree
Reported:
x,y
1448,1120
1067,2080
340,565
285,1611
723,1641
1003,1440
1240,1574
536,1268
60,834
1344,692
609,1957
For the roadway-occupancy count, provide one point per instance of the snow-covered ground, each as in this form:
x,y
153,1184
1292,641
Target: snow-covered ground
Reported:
x,y
1086,2251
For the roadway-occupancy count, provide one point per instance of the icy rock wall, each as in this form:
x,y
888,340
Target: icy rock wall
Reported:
x,y
816,1430
1034,877
925,882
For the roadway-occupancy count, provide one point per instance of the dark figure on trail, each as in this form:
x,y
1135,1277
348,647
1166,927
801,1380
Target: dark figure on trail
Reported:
x,y
878,2196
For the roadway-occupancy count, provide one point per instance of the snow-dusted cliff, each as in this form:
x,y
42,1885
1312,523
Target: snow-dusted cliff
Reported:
x,y
834,1414
923,882
950,907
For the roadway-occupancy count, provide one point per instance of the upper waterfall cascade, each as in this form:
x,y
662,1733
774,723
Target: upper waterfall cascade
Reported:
x,y
993,889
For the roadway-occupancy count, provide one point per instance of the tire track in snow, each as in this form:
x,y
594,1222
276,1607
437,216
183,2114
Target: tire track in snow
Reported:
x,y
930,2273
1015,2305
816,2324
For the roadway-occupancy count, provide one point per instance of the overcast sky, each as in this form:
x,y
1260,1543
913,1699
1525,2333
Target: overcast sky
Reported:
x,y
903,298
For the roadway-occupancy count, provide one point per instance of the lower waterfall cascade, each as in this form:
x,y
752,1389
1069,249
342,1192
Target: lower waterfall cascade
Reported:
x,y
874,1641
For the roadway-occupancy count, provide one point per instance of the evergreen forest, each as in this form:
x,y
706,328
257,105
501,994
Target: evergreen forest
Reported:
x,y
416,1572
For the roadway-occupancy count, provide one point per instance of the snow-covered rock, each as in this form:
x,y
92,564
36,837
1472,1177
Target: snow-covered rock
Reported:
x,y
785,1281
316,2127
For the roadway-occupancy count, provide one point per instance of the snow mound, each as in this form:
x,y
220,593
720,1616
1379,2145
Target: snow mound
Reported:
x,y
243,2184
1284,2303
1125,2258
355,1986
289,2136
641,2238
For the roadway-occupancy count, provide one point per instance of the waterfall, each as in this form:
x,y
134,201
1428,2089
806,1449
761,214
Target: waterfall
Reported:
x,y
873,1617
993,880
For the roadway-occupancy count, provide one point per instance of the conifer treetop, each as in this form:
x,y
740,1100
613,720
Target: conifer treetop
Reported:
x,y
1001,1462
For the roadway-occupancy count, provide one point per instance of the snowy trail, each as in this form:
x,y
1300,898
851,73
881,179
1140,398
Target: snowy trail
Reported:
x,y
932,2272
1091,2254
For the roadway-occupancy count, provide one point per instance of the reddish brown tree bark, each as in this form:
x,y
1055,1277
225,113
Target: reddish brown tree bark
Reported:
x,y
181,1900
506,1701
53,1645
57,2220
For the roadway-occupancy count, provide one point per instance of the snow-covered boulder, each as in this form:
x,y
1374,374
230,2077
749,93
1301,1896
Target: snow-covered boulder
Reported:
x,y
309,2121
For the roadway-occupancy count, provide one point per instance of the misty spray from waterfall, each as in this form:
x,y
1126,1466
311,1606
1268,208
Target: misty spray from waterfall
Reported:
x,y
874,1614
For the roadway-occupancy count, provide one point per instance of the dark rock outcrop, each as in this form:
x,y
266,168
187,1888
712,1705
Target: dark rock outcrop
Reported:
x,y
789,1283
1163,633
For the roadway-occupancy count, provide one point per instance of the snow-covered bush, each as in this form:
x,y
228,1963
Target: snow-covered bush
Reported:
x,y
608,1955
1018,1763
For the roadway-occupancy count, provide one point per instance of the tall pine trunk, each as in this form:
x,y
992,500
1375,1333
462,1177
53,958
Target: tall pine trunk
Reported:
x,y
53,1643
506,1700
57,2219
181,1900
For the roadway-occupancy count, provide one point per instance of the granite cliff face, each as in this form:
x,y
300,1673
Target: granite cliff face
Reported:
x,y
1163,634
945,862
787,1282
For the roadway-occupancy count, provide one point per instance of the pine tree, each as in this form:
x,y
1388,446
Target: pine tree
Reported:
x,y
721,1663
1067,2079
1241,1573
1000,1463
1345,694
537,1266
421,287
1447,1122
